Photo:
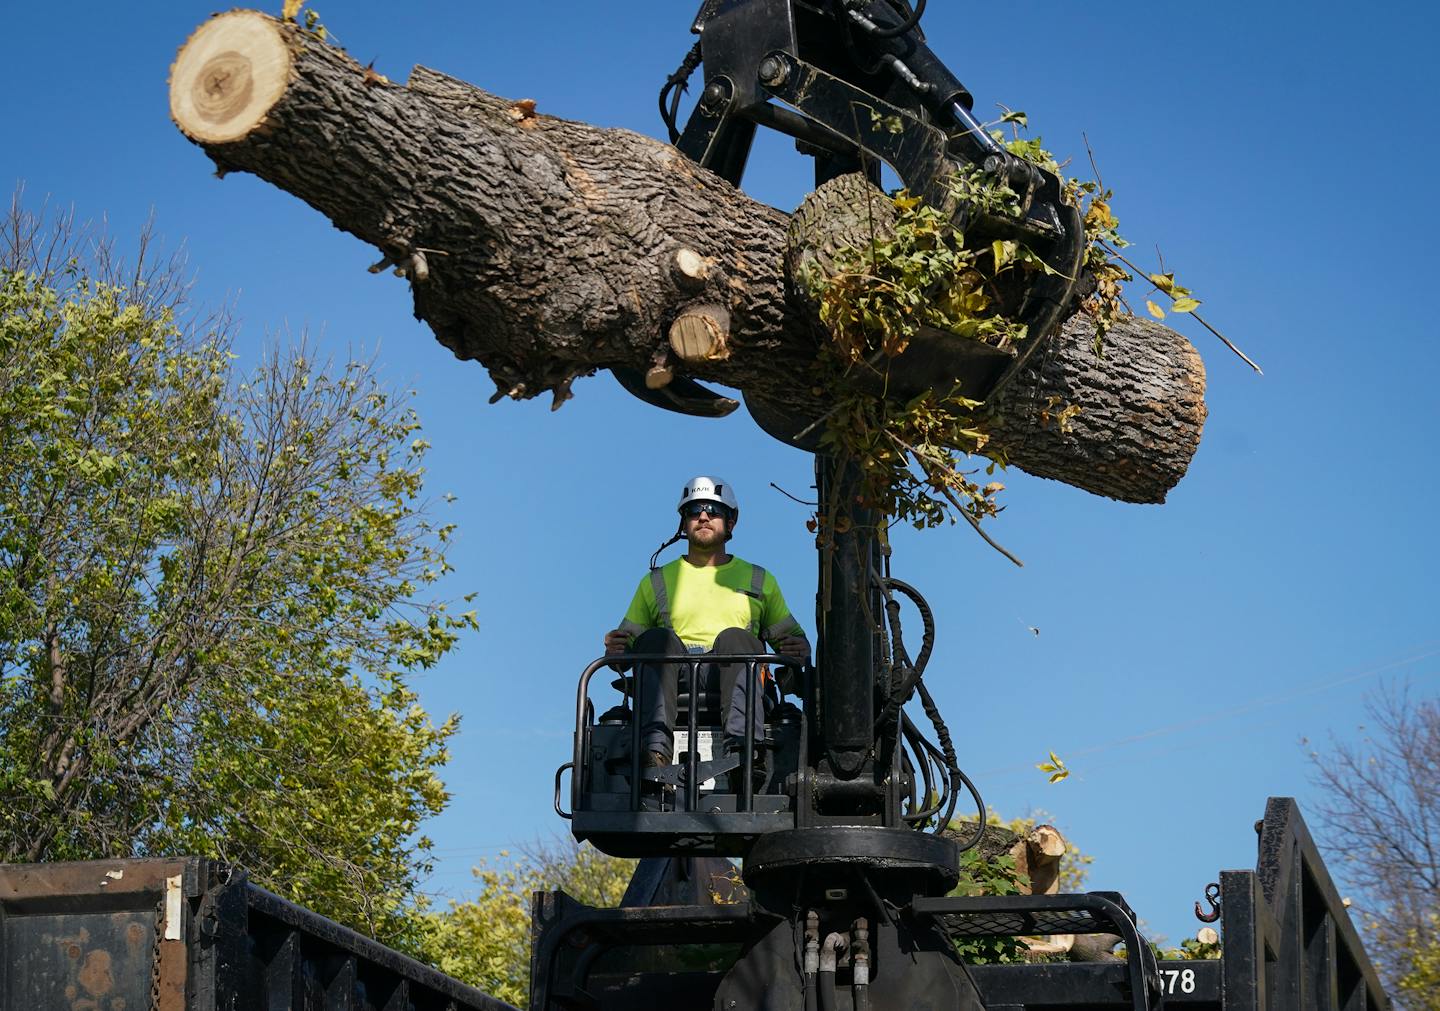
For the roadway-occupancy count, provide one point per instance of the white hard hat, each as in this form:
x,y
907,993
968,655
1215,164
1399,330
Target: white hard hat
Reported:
x,y
709,489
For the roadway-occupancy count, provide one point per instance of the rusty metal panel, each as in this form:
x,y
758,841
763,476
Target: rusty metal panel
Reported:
x,y
97,935
82,961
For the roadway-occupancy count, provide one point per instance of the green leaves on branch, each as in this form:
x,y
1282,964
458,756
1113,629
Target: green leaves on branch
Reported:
x,y
1181,299
922,278
878,299
995,876
873,303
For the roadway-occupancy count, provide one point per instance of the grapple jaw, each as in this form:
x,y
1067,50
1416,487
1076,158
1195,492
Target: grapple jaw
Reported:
x,y
855,84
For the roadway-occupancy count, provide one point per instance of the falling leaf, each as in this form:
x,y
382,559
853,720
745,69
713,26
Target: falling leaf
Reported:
x,y
1154,309
290,8
1055,767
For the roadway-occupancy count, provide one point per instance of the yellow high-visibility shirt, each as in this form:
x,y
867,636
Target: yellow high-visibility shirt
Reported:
x,y
703,601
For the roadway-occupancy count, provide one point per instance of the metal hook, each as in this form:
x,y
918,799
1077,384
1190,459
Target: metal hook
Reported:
x,y
1212,896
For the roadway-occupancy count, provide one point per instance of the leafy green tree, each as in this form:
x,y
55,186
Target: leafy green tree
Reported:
x,y
485,941
213,594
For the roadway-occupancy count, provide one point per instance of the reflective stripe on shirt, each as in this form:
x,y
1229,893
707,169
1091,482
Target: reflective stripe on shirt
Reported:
x,y
662,598
757,591
632,629
784,627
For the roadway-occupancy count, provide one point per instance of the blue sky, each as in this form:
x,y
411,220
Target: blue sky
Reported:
x,y
1277,155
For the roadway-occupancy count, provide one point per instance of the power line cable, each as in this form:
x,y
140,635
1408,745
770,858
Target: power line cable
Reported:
x,y
1235,711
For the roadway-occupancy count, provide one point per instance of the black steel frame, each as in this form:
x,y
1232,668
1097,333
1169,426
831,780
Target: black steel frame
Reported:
x,y
1290,944
189,934
1287,942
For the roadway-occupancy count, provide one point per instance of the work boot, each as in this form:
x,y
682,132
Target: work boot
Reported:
x,y
653,794
759,767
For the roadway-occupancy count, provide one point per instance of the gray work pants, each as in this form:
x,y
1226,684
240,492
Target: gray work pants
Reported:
x,y
658,684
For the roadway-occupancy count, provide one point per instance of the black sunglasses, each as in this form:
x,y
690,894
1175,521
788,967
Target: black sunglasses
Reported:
x,y
713,508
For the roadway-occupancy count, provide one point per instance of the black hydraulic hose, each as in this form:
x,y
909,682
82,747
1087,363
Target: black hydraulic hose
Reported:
x,y
942,795
927,618
908,769
847,35
675,85
826,986
810,964
904,26
898,656
979,811
950,764
929,758
948,746
910,674
829,952
860,963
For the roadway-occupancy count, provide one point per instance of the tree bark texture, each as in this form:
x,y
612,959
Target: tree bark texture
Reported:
x,y
547,249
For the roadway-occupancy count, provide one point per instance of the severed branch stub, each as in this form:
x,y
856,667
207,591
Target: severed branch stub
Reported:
x,y
569,249
689,269
661,372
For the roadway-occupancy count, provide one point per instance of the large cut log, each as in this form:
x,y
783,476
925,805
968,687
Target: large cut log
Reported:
x,y
547,249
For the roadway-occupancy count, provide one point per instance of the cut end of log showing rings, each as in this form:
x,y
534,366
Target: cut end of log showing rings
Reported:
x,y
228,76
701,333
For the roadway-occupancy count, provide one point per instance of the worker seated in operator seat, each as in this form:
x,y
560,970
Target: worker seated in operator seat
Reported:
x,y
706,601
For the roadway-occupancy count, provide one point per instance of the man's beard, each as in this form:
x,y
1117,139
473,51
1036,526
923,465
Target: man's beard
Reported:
x,y
707,539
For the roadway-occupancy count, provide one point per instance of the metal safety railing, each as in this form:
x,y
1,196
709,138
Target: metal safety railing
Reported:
x,y
692,772
1024,915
